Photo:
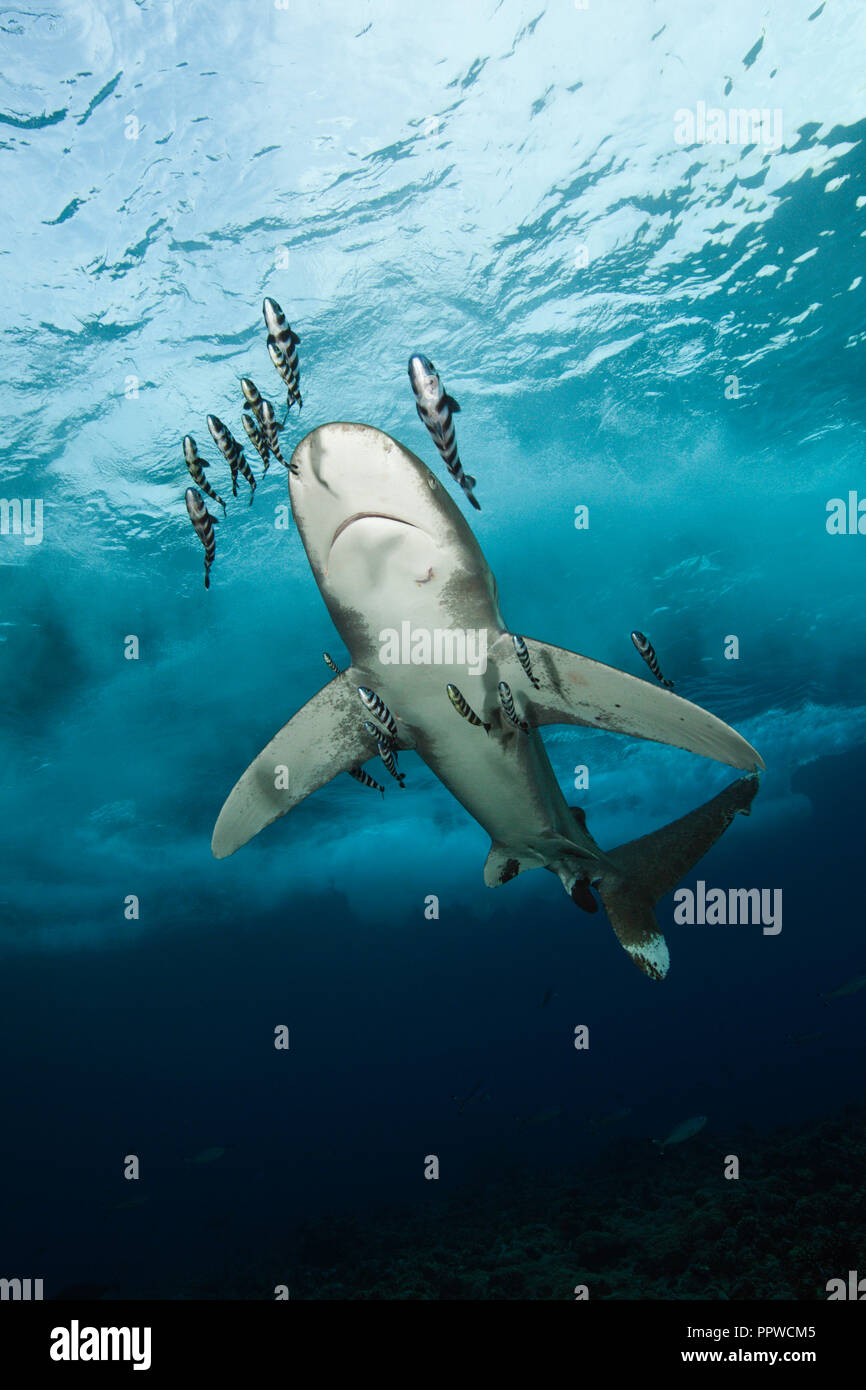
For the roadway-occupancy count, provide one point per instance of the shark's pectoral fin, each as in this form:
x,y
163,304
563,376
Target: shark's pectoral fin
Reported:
x,y
324,738
575,690
634,876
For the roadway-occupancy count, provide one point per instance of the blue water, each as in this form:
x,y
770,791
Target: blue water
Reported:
x,y
502,190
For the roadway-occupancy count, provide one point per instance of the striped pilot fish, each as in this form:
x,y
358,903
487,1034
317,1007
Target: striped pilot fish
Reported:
x,y
377,707
463,707
232,453
196,465
507,702
386,752
203,524
270,429
365,779
523,657
283,349
331,663
257,439
252,397
436,408
646,649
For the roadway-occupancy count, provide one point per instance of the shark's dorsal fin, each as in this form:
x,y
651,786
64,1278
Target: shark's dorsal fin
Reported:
x,y
576,690
324,738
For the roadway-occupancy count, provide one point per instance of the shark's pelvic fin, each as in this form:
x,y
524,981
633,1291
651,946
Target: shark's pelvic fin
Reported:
x,y
636,875
324,738
576,690
503,864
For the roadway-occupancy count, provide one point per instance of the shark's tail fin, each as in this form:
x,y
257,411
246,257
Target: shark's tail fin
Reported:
x,y
635,876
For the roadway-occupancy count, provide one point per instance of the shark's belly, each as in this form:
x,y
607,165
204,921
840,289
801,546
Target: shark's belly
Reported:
x,y
422,622
503,778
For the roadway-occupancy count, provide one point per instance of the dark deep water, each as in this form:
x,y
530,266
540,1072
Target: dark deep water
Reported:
x,y
437,208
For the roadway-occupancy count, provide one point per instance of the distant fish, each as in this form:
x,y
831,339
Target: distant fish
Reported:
x,y
208,1155
548,995
603,1121
231,452
130,1204
805,1037
270,429
253,399
257,439
686,1129
852,986
365,779
377,707
196,465
386,752
507,702
203,523
331,664
522,653
437,409
473,1097
646,649
284,339
541,1117
463,707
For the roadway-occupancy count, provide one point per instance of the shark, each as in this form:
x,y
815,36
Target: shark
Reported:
x,y
372,518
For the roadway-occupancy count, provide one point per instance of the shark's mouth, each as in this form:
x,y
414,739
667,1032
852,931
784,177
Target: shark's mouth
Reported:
x,y
370,516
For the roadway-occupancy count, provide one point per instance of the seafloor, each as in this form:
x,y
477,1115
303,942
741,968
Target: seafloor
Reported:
x,y
637,1225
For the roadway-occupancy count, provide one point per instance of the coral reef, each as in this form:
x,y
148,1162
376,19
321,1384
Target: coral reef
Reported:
x,y
635,1226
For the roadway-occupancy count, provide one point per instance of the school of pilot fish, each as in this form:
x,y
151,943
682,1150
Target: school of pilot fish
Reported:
x,y
436,409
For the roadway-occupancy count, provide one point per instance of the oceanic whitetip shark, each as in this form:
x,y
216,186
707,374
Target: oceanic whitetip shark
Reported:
x,y
387,545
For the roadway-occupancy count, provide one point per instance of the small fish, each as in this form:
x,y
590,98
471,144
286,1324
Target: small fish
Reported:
x,y
436,409
196,465
208,1155
285,341
463,707
386,752
541,1117
523,658
805,1037
472,1097
246,472
852,986
231,452
130,1204
253,399
257,439
602,1121
548,995
282,367
331,663
270,429
505,699
686,1129
203,524
365,779
426,580
379,709
646,649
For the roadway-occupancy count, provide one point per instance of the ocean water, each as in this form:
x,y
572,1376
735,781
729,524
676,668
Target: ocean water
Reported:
x,y
664,329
